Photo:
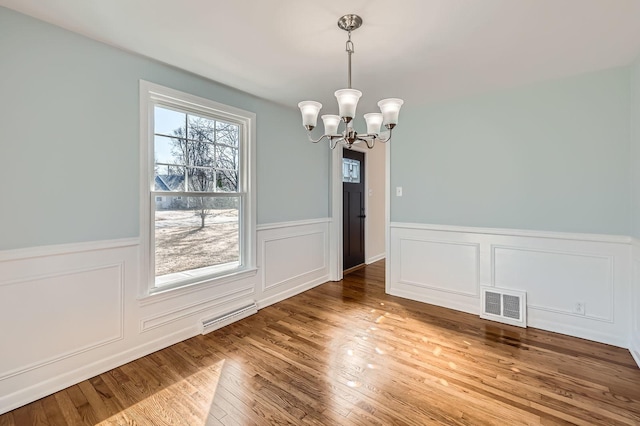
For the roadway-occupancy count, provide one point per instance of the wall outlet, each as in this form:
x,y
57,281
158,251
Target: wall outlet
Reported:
x,y
579,308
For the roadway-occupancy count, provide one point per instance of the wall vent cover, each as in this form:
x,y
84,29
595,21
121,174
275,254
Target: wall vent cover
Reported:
x,y
504,305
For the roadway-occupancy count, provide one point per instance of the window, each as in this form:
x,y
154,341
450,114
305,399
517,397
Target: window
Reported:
x,y
198,204
350,170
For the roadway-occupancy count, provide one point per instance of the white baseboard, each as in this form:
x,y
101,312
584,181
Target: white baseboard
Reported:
x,y
375,258
62,381
290,292
467,305
634,340
581,331
635,351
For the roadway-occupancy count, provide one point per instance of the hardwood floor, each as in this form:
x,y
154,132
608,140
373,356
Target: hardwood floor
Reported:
x,y
348,354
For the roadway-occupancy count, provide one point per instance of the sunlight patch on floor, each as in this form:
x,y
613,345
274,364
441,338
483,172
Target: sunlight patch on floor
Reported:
x,y
187,401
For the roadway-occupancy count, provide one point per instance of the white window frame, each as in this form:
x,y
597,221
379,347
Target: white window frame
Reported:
x,y
152,94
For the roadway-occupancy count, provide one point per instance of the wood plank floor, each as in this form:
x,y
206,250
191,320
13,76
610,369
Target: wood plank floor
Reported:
x,y
348,354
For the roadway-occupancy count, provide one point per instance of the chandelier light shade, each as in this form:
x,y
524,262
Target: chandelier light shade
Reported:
x,y
310,110
390,110
374,121
347,103
331,124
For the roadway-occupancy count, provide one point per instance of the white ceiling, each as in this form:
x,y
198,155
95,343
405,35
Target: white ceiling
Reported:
x,y
418,50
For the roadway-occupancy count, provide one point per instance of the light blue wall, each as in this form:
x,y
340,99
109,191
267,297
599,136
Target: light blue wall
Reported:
x,y
552,156
70,137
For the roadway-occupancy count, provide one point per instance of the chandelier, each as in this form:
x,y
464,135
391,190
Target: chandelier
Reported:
x,y
347,102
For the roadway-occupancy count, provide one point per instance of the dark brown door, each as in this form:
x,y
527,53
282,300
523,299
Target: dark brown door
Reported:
x,y
353,215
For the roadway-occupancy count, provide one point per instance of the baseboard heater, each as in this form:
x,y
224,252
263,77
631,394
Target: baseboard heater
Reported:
x,y
212,324
504,305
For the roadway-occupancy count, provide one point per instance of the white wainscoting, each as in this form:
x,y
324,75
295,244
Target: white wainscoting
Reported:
x,y
634,341
292,257
70,312
62,309
52,305
445,265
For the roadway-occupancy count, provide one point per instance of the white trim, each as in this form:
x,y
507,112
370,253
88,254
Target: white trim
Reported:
x,y
154,94
336,208
336,255
375,258
610,291
463,303
601,238
635,244
476,246
292,292
289,279
196,308
88,347
387,218
146,269
634,338
634,348
85,371
277,225
581,331
171,293
63,249
607,257
569,313
281,245
335,226
197,275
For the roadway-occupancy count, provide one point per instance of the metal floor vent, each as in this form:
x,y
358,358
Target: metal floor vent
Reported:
x,y
504,305
212,324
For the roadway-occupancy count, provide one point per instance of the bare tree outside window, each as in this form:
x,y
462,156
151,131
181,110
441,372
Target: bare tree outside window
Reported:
x,y
196,160
209,150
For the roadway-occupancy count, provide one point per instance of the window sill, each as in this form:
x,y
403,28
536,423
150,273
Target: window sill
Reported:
x,y
181,279
159,294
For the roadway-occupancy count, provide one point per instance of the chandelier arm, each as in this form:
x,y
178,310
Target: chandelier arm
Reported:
x,y
319,139
387,139
366,139
333,144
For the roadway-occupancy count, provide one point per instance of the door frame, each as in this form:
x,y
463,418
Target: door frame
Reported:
x,y
336,208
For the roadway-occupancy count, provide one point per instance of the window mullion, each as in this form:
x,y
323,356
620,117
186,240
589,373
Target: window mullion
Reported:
x,y
197,194
186,150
